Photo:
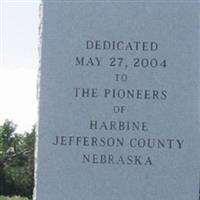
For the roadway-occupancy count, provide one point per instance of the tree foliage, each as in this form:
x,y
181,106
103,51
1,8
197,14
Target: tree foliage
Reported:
x,y
16,160
13,198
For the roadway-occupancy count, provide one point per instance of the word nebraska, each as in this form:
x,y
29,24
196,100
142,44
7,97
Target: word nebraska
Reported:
x,y
110,159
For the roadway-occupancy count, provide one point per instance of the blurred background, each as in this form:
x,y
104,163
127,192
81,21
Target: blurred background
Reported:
x,y
19,61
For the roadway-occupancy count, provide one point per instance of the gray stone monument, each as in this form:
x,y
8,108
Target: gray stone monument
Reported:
x,y
119,101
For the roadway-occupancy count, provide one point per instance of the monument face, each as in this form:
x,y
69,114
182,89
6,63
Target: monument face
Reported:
x,y
119,101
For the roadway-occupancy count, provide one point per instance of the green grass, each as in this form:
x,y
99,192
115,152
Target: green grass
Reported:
x,y
13,198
